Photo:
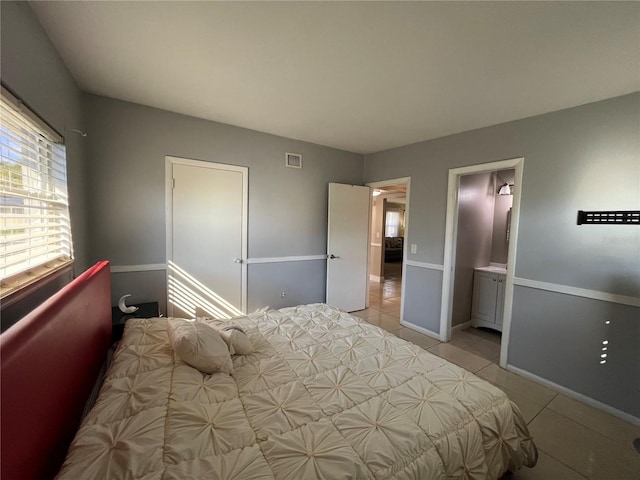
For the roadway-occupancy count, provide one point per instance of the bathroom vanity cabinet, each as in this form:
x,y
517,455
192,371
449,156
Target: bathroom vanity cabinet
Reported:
x,y
487,307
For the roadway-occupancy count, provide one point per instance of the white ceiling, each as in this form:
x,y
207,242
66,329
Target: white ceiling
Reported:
x,y
360,76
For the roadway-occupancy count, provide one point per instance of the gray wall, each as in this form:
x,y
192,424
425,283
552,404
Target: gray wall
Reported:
x,y
586,158
538,343
32,70
287,207
476,201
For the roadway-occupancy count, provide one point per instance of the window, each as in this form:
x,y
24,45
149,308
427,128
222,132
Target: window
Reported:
x,y
392,224
35,231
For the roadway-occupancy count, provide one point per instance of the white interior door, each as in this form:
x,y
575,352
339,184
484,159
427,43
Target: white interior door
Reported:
x,y
348,246
206,244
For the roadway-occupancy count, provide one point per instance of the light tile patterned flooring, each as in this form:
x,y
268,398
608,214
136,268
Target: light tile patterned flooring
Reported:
x,y
575,441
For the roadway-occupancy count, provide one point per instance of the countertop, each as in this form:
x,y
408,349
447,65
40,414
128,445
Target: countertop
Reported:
x,y
493,269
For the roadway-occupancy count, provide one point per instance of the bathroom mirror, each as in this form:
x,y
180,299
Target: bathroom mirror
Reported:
x,y
508,226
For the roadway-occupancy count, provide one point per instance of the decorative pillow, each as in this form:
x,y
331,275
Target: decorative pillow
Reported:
x,y
233,335
199,345
238,341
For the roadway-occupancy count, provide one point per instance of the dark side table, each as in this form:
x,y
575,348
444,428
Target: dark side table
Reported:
x,y
118,318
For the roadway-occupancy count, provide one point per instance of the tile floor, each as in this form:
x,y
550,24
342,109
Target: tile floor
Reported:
x,y
575,441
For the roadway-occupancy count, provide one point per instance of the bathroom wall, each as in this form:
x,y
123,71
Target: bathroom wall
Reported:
x,y
503,203
475,231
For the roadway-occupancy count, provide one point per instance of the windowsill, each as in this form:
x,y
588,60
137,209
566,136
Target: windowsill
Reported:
x,y
19,286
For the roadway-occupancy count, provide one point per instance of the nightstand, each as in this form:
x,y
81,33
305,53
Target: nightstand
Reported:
x,y
118,319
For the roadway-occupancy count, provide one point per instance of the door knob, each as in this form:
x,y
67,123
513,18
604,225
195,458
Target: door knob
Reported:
x,y
333,256
238,260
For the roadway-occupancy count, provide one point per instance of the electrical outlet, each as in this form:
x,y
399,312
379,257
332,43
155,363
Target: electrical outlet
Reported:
x,y
414,248
283,294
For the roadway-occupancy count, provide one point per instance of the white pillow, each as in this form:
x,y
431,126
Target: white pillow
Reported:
x,y
238,341
199,345
235,337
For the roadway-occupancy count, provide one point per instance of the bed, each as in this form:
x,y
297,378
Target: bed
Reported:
x,y
323,395
49,361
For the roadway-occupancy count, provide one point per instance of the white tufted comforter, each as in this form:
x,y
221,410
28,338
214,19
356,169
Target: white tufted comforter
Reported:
x,y
324,396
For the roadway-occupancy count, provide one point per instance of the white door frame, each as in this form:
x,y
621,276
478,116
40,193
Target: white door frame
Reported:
x,y
387,183
450,242
169,163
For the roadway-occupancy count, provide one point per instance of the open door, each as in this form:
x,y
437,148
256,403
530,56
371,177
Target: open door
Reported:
x,y
348,246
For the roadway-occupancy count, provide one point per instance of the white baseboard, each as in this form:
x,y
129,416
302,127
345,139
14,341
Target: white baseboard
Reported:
x,y
575,395
462,326
423,330
376,278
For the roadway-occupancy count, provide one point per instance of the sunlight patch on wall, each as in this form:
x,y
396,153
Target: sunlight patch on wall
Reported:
x,y
189,295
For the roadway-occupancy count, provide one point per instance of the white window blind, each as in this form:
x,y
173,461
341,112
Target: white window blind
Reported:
x,y
392,224
34,207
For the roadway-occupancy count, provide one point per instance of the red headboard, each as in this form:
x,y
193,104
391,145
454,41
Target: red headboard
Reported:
x,y
49,361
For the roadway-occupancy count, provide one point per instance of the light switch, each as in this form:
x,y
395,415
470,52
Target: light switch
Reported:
x,y
414,248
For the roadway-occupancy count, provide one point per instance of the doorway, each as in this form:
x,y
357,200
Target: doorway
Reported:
x,y
387,246
455,233
206,238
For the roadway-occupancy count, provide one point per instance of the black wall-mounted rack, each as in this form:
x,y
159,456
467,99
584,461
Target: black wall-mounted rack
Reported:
x,y
612,217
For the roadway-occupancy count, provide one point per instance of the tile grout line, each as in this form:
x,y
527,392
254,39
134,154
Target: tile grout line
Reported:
x,y
544,408
548,453
562,463
615,441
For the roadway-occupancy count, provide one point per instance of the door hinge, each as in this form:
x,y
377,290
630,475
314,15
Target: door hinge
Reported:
x,y
173,183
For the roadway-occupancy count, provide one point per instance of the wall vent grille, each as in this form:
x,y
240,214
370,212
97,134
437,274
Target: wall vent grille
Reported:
x,y
293,160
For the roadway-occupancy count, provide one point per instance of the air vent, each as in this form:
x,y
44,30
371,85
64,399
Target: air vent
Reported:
x,y
293,160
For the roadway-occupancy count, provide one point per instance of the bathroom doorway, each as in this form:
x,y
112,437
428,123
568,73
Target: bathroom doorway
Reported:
x,y
483,206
